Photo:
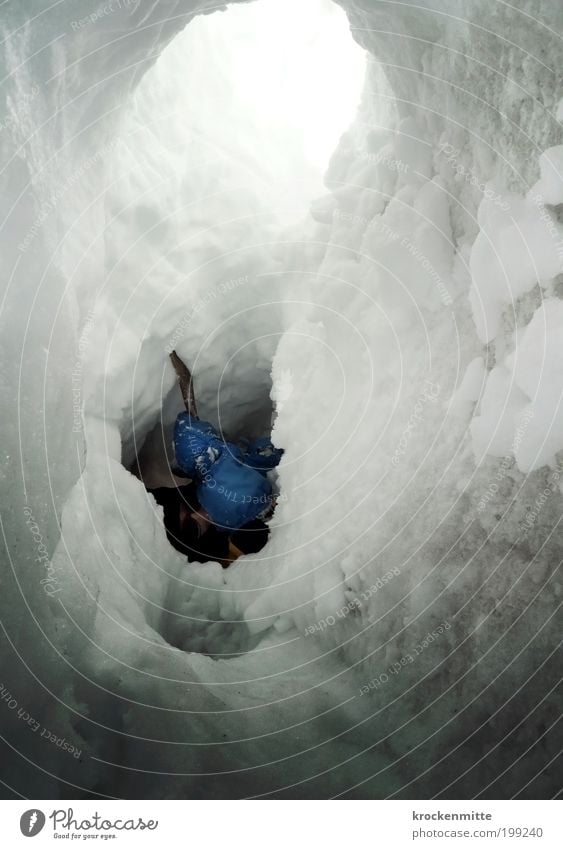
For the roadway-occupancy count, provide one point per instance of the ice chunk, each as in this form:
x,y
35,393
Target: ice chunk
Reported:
x,y
520,244
550,185
471,386
412,152
539,373
522,410
493,430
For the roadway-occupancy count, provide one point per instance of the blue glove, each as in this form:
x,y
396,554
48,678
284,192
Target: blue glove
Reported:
x,y
233,494
196,445
233,487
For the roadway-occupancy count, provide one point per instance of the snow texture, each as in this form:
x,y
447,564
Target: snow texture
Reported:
x,y
396,636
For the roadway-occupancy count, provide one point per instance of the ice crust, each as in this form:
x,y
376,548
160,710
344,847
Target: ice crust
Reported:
x,y
407,338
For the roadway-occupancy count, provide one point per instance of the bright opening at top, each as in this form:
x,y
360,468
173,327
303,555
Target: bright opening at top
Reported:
x,y
271,84
294,63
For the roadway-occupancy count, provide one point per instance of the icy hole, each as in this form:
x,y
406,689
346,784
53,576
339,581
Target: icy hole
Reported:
x,y
215,164
118,586
214,172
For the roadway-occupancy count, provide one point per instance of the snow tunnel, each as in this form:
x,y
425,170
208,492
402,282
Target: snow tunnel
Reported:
x,y
363,254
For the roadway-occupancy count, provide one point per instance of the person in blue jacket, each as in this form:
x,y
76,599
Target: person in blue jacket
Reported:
x,y
232,485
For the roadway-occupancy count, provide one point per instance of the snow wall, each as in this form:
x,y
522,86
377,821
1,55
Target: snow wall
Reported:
x,y
397,635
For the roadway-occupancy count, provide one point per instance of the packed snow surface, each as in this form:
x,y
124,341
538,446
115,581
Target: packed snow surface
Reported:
x,y
398,326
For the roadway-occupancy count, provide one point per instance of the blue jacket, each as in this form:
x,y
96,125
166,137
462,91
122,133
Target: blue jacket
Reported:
x,y
233,487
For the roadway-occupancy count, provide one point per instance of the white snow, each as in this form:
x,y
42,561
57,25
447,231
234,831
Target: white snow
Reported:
x,y
405,338
538,371
493,429
470,389
550,185
519,245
